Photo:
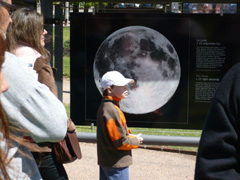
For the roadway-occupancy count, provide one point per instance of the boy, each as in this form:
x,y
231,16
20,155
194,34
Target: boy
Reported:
x,y
114,143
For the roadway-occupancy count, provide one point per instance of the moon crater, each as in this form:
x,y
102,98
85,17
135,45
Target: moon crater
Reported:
x,y
146,56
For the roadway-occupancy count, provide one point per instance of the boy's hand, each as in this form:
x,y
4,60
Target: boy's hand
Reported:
x,y
140,139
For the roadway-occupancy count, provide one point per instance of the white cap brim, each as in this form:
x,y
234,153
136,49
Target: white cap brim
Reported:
x,y
125,82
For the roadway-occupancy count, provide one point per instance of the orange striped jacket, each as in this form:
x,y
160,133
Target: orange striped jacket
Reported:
x,y
114,142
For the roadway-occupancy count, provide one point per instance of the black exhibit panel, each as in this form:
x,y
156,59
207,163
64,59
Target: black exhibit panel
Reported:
x,y
176,60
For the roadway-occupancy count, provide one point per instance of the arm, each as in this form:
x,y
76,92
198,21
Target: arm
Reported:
x,y
118,131
45,74
71,126
31,105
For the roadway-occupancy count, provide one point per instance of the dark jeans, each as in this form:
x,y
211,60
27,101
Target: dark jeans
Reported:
x,y
49,168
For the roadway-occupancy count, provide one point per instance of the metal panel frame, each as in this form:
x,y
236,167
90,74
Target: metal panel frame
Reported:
x,y
46,7
150,140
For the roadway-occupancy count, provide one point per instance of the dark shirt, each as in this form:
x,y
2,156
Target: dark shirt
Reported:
x,y
219,149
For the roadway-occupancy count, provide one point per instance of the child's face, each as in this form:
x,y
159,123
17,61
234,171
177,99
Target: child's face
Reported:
x,y
119,91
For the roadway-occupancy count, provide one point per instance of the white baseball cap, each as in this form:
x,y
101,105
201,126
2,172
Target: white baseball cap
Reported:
x,y
114,78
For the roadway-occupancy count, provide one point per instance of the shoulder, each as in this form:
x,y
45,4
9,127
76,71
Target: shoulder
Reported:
x,y
233,73
13,67
9,56
27,54
40,63
109,109
230,84
108,105
12,62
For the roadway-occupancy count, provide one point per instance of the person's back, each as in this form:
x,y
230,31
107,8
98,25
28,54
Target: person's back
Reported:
x,y
29,105
114,141
219,147
30,108
25,37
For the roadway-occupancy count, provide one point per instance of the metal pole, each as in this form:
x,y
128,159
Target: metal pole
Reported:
x,y
150,140
59,49
66,13
46,9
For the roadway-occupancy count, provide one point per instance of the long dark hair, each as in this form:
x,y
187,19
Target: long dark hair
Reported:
x,y
4,124
26,29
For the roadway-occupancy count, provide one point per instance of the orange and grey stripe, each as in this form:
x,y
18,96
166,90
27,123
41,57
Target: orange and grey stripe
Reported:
x,y
114,133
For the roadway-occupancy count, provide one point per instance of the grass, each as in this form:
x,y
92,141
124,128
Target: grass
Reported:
x,y
152,131
66,66
66,34
67,106
66,59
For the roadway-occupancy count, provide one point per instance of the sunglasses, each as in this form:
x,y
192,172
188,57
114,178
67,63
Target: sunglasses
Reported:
x,y
9,7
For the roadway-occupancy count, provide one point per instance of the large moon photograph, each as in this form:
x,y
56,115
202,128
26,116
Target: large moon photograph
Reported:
x,y
148,57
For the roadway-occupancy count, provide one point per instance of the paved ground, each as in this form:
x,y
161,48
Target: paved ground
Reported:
x,y
66,90
147,164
